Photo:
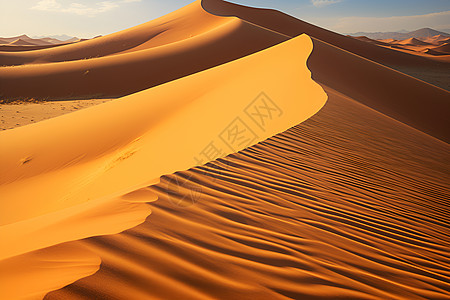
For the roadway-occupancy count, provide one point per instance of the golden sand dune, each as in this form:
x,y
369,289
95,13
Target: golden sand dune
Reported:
x,y
318,212
414,42
77,144
23,40
436,40
25,43
353,203
255,29
444,49
166,52
339,62
70,171
418,47
20,42
188,22
430,69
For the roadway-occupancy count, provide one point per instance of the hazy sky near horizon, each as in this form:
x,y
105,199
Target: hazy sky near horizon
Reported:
x,y
88,18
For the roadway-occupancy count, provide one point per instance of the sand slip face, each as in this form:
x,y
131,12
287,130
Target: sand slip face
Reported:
x,y
78,168
353,68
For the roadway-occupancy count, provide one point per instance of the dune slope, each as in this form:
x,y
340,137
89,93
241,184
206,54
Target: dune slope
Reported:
x,y
351,204
74,147
70,178
184,23
318,212
399,96
126,73
255,29
428,69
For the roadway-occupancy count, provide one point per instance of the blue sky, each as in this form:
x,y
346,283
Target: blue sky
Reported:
x,y
88,18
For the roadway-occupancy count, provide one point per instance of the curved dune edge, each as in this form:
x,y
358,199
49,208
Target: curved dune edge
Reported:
x,y
358,69
64,177
178,52
83,159
31,275
129,72
317,212
39,255
96,217
182,24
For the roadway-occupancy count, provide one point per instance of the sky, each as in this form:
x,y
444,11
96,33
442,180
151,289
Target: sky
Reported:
x,y
89,18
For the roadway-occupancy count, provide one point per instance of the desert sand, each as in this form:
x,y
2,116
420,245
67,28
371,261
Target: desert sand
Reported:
x,y
226,152
21,113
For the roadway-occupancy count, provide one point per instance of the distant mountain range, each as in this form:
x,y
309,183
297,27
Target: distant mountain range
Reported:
x,y
401,35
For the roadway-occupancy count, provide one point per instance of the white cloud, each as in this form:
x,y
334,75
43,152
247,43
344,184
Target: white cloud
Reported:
x,y
322,3
439,20
78,8
47,5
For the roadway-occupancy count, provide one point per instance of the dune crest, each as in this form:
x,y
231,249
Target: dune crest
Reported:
x,y
83,163
71,170
253,202
182,49
185,23
317,212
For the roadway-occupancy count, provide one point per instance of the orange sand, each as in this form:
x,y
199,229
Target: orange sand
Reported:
x,y
69,171
352,203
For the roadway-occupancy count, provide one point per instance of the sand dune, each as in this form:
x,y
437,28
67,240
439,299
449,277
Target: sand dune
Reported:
x,y
291,26
12,39
414,46
413,41
431,49
25,43
437,39
121,74
125,73
318,212
388,40
24,40
52,40
429,69
399,98
368,40
443,49
73,144
353,203
86,183
20,42
185,23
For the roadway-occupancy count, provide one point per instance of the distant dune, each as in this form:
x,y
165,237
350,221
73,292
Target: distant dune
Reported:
x,y
242,154
414,42
420,33
24,40
25,43
416,46
443,49
20,42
